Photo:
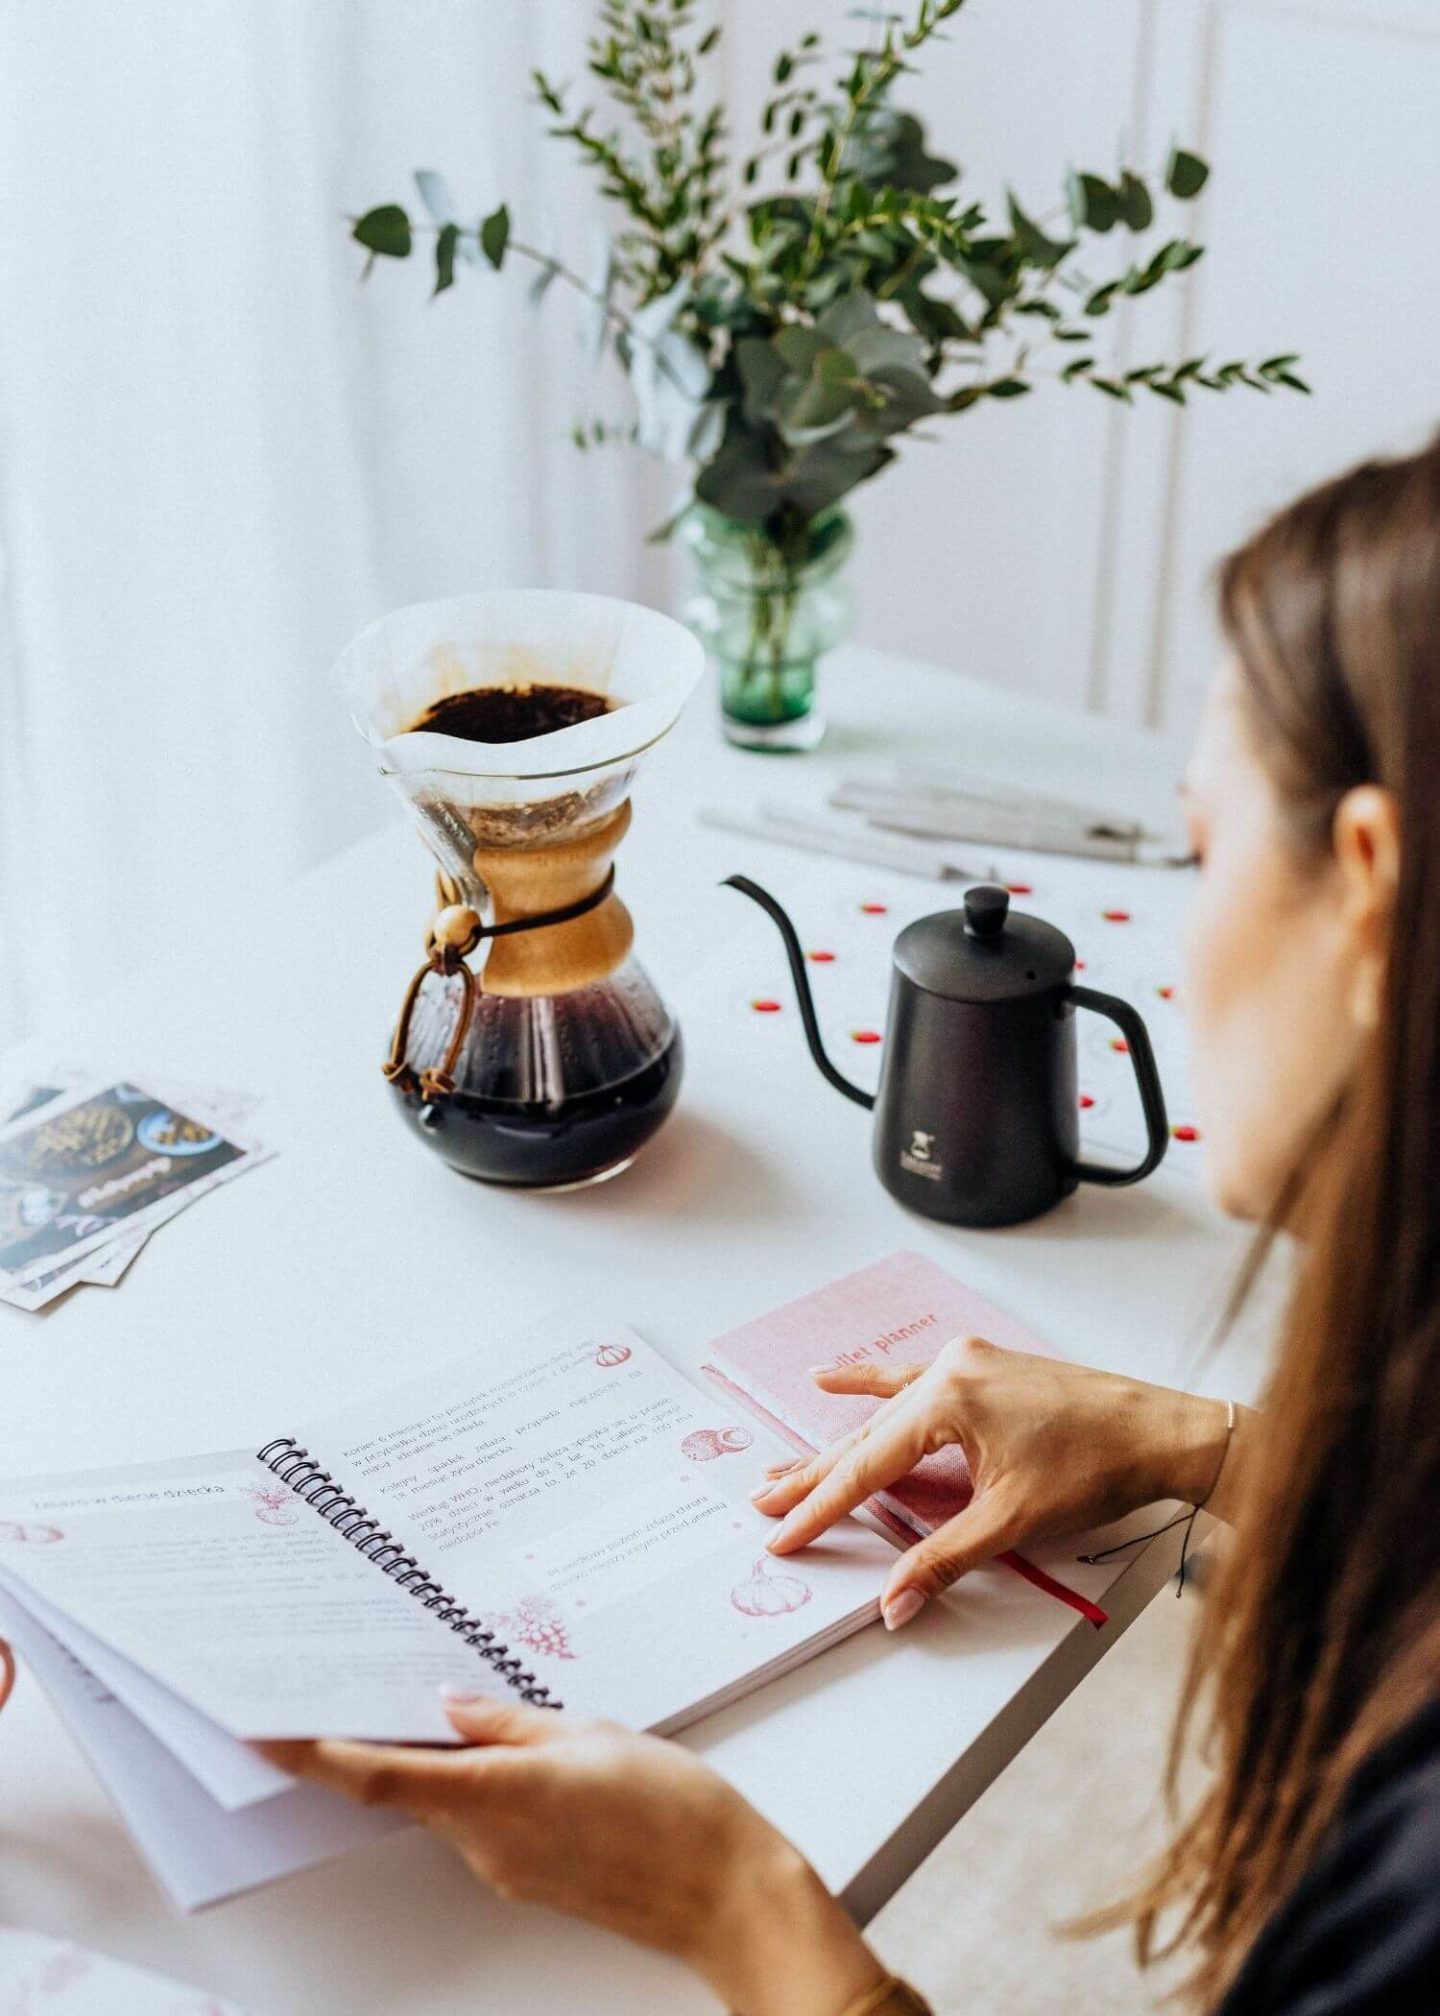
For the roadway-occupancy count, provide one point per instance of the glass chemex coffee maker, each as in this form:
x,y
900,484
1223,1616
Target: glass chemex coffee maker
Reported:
x,y
530,1048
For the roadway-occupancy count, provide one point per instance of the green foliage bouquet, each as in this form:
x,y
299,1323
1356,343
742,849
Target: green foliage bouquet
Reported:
x,y
785,316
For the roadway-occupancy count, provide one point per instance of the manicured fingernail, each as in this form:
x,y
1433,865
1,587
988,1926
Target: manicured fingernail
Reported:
x,y
764,1491
819,1371
460,1697
900,1609
783,1469
787,1530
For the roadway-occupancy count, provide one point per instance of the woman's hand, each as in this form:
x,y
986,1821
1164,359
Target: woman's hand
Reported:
x,y
627,1831
1052,1448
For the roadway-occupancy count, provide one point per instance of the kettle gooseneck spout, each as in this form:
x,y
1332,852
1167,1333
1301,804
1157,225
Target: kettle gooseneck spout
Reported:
x,y
802,987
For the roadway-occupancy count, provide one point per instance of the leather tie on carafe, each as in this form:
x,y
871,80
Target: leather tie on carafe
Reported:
x,y
584,934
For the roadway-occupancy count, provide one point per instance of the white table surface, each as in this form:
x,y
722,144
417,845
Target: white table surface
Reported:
x,y
355,1258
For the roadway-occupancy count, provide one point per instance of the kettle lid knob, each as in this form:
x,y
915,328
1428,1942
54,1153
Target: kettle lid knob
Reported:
x,y
986,909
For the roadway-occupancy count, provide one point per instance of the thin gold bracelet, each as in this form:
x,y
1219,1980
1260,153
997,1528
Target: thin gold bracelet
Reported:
x,y
893,1997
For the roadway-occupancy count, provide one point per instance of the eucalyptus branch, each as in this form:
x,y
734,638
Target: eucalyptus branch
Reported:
x,y
870,78
784,341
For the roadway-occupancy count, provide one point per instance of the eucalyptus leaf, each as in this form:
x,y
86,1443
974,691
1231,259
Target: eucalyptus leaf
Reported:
x,y
1137,211
881,348
935,320
905,398
447,238
385,232
798,347
825,394
1094,205
1186,174
495,236
762,374
891,153
822,475
854,311
1035,246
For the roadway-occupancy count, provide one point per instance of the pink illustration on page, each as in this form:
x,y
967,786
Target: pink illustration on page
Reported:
x,y
705,1444
274,1504
39,1536
770,1592
612,1354
536,1624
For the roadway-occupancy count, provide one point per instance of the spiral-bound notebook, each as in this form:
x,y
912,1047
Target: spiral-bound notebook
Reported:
x,y
561,1518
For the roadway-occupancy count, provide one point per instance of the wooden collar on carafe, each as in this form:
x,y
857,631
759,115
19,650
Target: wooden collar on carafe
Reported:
x,y
526,882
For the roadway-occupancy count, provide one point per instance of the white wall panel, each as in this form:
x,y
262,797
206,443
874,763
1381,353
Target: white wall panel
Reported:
x,y
1322,221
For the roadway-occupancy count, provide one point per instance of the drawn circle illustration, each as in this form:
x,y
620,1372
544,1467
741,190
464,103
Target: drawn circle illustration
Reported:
x,y
167,1133
87,1137
705,1444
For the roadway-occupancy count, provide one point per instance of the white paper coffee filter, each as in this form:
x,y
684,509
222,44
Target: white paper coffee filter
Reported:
x,y
403,664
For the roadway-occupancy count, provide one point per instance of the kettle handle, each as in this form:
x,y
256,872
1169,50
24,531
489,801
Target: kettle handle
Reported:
x,y
1152,1096
809,1020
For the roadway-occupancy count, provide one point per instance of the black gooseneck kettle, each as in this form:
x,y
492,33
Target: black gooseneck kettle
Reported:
x,y
977,1119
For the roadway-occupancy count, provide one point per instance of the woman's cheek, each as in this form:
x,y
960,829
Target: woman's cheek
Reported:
x,y
1229,1046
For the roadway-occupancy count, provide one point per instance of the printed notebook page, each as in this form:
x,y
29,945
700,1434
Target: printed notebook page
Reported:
x,y
234,1595
591,1507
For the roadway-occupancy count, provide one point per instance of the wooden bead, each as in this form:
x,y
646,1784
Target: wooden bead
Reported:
x,y
455,927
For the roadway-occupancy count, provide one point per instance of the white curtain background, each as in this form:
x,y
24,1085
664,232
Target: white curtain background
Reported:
x,y
220,455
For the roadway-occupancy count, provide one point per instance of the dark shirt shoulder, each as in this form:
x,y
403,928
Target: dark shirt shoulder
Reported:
x,y
1361,1934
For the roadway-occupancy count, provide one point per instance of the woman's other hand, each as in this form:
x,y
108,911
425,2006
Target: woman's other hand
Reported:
x,y
1052,1448
626,1831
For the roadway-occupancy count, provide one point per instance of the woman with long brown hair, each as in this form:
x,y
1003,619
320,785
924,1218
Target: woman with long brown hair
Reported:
x,y
1307,1879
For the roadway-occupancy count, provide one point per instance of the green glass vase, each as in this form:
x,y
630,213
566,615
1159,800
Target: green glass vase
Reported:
x,y
766,610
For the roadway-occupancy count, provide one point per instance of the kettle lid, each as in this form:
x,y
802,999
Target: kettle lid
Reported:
x,y
985,952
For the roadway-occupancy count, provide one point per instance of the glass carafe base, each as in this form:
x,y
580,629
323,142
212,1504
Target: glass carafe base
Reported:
x,y
532,1145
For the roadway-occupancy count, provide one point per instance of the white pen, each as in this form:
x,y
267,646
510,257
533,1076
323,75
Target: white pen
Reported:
x,y
819,833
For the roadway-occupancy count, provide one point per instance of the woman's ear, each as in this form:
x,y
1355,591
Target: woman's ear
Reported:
x,y
1365,836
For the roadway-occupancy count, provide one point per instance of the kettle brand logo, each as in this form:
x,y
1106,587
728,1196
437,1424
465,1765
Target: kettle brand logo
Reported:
x,y
918,1158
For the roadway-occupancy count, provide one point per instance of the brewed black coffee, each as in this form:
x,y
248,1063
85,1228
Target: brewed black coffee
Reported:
x,y
510,713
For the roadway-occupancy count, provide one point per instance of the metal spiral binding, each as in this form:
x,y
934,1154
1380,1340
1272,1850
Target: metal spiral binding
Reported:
x,y
295,1466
